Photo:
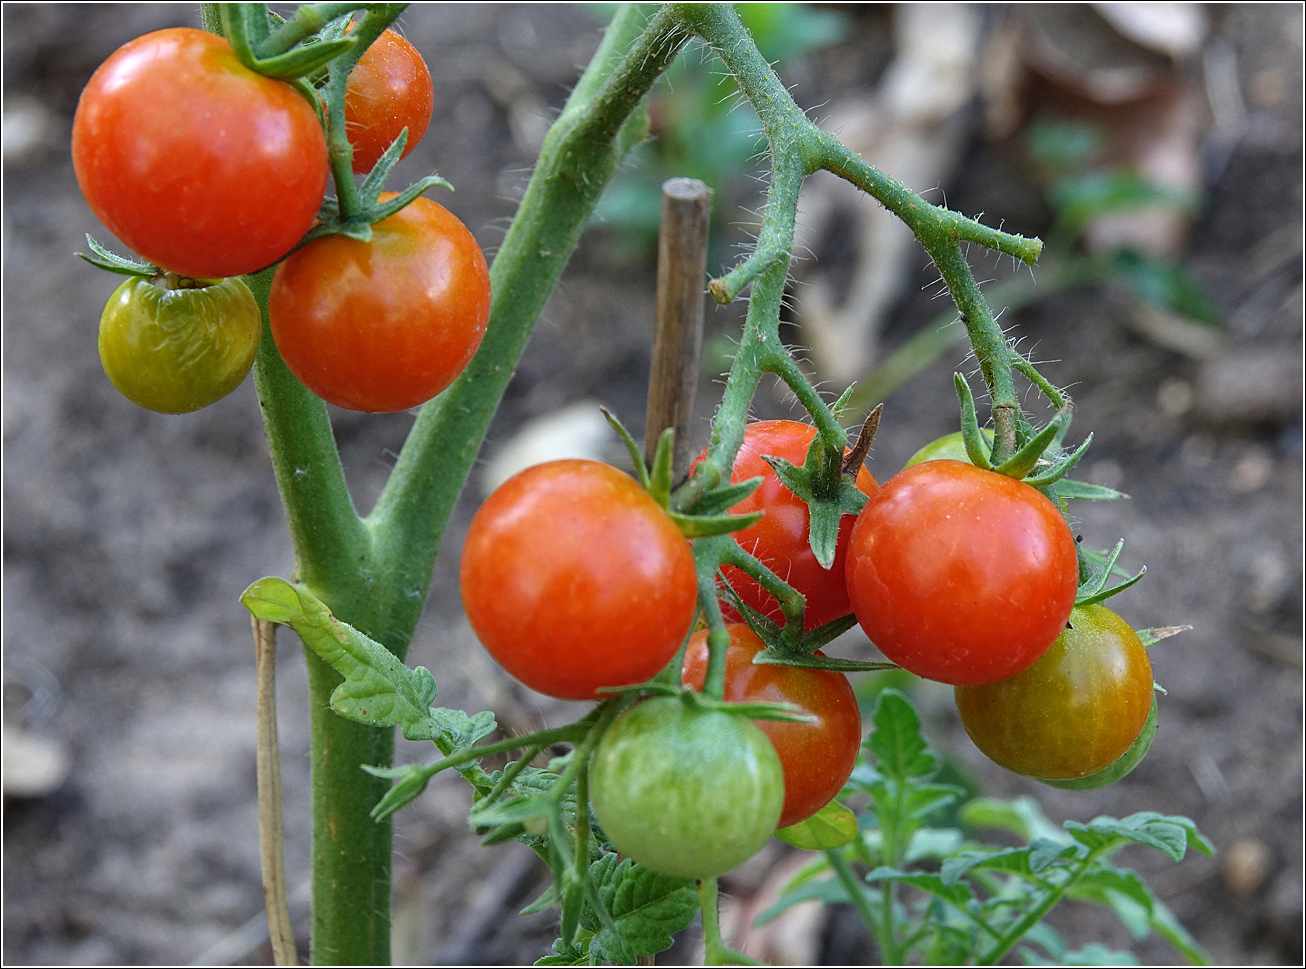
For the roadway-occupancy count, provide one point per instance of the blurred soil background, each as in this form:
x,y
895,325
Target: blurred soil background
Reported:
x,y
1158,149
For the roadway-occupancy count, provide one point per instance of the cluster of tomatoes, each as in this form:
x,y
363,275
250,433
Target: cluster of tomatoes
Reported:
x,y
576,580
211,171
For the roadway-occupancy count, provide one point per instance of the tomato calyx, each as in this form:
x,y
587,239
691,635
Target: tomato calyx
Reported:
x,y
109,261
707,515
294,50
803,652
1093,589
701,701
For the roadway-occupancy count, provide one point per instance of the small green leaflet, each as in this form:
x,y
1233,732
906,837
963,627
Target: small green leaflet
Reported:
x,y
378,689
647,909
831,827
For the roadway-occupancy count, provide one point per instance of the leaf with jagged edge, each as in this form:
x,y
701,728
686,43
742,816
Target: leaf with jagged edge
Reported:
x,y
378,689
831,827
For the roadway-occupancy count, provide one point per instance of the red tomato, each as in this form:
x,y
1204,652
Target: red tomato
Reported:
x,y
816,758
961,575
194,161
575,579
389,89
383,325
780,539
1077,710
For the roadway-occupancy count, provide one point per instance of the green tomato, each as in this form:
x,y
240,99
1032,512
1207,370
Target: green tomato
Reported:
x,y
950,447
174,348
688,792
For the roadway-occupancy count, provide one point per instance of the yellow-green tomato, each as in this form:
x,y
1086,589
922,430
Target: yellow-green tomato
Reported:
x,y
688,792
950,447
174,346
1077,710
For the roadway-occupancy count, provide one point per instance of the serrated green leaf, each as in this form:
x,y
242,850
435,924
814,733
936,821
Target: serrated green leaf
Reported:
x,y
953,892
569,955
1022,816
1146,829
831,827
896,740
378,689
647,909
1015,861
921,800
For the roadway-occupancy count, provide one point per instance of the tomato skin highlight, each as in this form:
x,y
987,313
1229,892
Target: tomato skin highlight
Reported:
x,y
1075,711
816,758
383,325
388,90
575,579
175,350
199,164
690,793
961,575
780,539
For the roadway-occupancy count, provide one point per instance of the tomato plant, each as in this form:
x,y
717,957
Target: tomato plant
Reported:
x,y
780,539
389,90
175,348
387,324
687,792
961,575
575,579
1075,711
816,757
196,162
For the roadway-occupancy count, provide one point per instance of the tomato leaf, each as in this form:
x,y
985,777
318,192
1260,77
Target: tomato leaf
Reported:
x,y
897,741
378,690
828,891
831,827
1171,835
576,954
647,908
954,893
1022,816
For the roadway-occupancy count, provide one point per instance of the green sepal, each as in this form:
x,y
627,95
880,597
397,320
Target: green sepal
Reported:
x,y
1024,461
378,689
824,514
1061,468
303,60
370,190
976,447
1122,765
784,657
659,478
838,407
823,530
796,479
766,628
724,498
786,712
1094,589
1065,488
699,526
822,636
636,455
831,827
114,263
388,208
1151,637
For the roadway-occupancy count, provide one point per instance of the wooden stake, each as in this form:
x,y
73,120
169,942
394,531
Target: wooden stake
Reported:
x,y
678,324
271,838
